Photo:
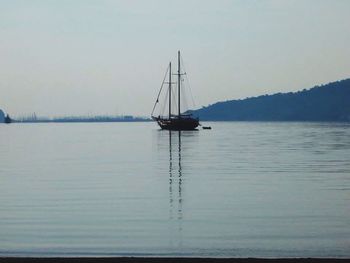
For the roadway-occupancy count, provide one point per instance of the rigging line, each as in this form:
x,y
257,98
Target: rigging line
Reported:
x,y
161,87
165,104
188,82
174,98
189,88
185,103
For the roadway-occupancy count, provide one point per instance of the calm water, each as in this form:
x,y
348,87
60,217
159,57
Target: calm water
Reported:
x,y
239,190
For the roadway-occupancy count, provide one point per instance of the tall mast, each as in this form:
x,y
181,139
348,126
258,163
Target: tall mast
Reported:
x,y
170,90
178,81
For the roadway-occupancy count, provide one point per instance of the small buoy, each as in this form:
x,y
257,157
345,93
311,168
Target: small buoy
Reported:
x,y
206,128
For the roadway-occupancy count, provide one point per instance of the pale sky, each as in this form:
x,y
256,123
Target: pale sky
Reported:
x,y
79,57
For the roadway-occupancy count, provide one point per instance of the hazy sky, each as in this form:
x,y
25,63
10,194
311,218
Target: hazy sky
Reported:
x,y
60,57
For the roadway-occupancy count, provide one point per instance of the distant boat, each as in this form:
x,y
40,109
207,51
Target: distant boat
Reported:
x,y
8,119
179,121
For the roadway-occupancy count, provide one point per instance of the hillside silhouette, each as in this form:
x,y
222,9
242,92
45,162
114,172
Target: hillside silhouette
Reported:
x,y
330,102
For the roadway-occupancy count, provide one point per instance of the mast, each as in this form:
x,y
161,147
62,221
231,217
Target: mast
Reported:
x,y
178,81
170,90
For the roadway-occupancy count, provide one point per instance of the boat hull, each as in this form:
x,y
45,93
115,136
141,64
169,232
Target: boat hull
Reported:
x,y
7,120
180,124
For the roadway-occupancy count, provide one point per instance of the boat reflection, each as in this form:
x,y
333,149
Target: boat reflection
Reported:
x,y
177,145
175,175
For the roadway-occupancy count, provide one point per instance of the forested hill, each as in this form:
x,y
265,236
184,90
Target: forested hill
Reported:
x,y
329,102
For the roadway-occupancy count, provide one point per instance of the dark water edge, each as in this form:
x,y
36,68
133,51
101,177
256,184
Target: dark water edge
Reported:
x,y
169,259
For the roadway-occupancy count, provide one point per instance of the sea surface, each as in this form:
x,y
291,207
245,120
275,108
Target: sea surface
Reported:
x,y
242,189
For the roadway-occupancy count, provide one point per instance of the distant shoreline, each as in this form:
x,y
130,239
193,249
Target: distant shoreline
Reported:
x,y
168,259
149,120
328,102
80,121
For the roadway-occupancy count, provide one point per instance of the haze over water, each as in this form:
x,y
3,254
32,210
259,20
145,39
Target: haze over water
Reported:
x,y
238,190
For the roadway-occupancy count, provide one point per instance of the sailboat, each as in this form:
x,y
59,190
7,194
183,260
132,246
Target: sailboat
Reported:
x,y
179,121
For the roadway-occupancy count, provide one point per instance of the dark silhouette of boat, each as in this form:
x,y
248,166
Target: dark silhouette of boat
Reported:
x,y
7,119
179,121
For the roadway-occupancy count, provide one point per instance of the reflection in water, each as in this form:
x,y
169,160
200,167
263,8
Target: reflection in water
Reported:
x,y
176,180
180,178
176,150
175,177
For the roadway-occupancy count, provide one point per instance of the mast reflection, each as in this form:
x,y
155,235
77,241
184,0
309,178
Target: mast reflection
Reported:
x,y
175,175
178,145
